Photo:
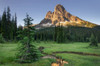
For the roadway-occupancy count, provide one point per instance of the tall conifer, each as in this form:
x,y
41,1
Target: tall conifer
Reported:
x,y
4,25
27,52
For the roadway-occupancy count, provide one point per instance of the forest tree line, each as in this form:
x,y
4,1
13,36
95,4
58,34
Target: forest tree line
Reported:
x,y
63,34
8,25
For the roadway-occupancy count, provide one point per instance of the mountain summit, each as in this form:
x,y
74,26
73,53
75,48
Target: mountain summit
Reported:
x,y
64,18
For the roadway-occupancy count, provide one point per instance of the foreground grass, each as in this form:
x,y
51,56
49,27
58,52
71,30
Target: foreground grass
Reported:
x,y
42,62
79,60
76,47
8,51
8,55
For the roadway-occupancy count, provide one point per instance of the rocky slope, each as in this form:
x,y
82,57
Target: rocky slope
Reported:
x,y
64,18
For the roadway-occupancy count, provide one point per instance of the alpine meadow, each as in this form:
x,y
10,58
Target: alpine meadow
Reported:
x,y
31,35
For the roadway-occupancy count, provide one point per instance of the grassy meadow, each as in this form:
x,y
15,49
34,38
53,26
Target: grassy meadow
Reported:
x,y
8,54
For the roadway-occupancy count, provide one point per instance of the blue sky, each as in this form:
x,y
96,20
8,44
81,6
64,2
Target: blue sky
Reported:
x,y
88,10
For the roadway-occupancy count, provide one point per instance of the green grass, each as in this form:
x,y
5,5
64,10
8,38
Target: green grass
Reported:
x,y
76,47
79,60
8,54
42,62
8,51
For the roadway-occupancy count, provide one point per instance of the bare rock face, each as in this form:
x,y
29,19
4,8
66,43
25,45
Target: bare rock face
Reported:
x,y
60,15
49,15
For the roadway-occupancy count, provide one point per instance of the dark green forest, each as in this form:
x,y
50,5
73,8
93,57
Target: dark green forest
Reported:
x,y
71,33
8,25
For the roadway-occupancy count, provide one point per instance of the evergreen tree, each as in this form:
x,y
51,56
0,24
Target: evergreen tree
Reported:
x,y
12,29
1,39
19,33
9,25
15,27
55,34
60,34
0,25
93,41
4,25
28,52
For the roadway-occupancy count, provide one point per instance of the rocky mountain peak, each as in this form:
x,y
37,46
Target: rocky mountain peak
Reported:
x,y
48,15
60,15
59,8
